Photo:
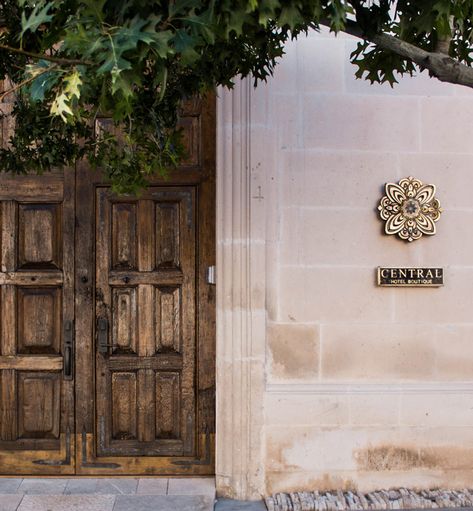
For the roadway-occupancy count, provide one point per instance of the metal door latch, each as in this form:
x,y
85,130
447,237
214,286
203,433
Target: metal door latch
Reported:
x,y
211,275
68,349
102,336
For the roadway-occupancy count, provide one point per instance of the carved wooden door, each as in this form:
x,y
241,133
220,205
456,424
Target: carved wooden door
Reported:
x,y
107,321
146,316
145,309
37,312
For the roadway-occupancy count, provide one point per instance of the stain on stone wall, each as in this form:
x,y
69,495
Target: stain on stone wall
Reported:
x,y
392,458
294,350
399,458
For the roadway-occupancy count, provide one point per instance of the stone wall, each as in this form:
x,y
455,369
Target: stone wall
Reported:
x,y
363,387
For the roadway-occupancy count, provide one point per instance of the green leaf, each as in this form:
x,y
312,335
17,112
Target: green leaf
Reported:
x,y
186,45
179,7
291,16
38,17
160,43
42,85
112,63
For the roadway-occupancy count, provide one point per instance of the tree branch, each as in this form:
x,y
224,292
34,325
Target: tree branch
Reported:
x,y
56,60
439,65
24,82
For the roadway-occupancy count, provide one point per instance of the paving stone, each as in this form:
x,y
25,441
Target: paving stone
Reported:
x,y
99,486
239,505
163,503
9,502
153,486
42,486
68,503
9,484
192,486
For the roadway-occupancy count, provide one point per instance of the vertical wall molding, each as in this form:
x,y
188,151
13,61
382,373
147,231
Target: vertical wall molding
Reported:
x,y
240,353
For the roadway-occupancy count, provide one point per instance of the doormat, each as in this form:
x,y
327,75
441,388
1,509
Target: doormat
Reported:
x,y
381,499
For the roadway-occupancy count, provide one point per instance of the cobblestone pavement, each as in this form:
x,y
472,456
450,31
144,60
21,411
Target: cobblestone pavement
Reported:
x,y
101,494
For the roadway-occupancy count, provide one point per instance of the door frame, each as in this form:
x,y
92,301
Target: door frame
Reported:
x,y
203,178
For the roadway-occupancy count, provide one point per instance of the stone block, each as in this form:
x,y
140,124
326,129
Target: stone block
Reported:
x,y
101,486
9,485
10,502
293,351
68,503
285,74
286,117
449,172
292,409
168,503
436,410
42,486
338,179
346,237
378,352
378,409
327,294
454,352
452,303
192,486
446,125
362,123
320,64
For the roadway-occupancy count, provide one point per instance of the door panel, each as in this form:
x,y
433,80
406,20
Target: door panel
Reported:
x,y
145,298
36,302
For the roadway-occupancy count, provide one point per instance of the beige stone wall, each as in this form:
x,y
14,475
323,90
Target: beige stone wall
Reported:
x,y
365,387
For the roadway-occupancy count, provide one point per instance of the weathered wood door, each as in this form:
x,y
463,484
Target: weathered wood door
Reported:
x,y
37,313
133,393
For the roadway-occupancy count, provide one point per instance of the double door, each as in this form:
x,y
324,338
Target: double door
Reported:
x,y
107,350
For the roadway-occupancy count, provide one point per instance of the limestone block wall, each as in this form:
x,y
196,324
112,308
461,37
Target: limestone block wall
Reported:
x,y
363,386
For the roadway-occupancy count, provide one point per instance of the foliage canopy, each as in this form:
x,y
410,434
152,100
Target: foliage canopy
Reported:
x,y
72,61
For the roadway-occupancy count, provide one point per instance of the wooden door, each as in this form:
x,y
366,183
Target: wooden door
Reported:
x,y
133,391
37,314
145,310
146,317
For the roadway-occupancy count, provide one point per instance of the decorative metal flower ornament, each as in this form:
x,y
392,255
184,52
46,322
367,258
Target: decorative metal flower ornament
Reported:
x,y
410,209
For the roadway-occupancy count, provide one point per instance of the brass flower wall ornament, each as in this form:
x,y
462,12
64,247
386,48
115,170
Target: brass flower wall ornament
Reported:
x,y
410,209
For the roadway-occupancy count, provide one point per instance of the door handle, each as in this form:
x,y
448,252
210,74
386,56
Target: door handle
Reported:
x,y
102,336
68,349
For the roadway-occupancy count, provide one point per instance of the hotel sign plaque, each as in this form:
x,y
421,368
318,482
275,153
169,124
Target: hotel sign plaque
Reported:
x,y
410,277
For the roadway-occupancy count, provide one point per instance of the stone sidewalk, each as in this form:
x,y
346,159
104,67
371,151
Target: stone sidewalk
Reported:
x,y
103,494
234,505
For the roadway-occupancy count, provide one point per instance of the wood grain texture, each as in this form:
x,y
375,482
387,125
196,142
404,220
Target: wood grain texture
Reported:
x,y
124,228
39,406
39,313
39,236
124,320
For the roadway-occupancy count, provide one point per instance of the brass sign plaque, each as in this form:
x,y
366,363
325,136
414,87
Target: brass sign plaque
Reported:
x,y
410,277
